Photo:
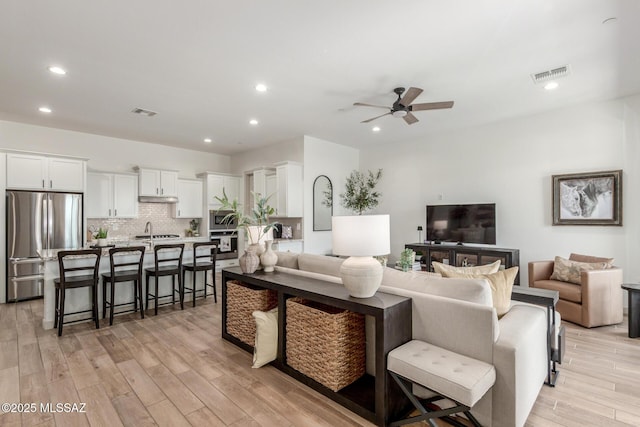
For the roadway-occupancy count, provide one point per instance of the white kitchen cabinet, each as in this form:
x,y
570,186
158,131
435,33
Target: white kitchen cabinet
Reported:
x,y
156,182
33,172
111,195
189,199
289,195
271,189
263,185
216,183
125,196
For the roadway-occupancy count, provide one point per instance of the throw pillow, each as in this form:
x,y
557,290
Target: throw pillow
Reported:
x,y
501,286
266,345
444,269
589,258
566,270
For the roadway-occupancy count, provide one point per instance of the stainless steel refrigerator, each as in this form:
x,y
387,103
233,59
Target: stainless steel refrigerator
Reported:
x,y
37,221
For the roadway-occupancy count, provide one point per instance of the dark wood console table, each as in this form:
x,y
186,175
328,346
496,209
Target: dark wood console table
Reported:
x,y
376,398
461,255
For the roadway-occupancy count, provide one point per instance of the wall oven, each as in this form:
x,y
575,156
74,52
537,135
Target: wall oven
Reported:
x,y
216,221
227,241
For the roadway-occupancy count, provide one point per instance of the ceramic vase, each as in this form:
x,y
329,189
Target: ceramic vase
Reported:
x,y
102,242
269,258
249,261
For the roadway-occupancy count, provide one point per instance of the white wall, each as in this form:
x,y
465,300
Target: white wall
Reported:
x,y
109,154
267,156
3,229
511,163
335,161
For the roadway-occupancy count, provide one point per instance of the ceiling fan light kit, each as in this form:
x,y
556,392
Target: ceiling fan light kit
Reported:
x,y
403,108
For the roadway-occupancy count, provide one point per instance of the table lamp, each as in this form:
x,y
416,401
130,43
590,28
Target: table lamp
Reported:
x,y
360,237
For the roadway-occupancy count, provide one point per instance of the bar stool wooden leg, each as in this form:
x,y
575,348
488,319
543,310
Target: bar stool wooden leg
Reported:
x,y
155,298
57,308
104,298
139,291
61,312
193,289
113,285
94,295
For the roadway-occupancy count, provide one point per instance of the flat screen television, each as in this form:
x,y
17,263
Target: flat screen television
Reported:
x,y
468,223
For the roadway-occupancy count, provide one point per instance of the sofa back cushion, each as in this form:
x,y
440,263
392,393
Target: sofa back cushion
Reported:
x,y
320,264
472,290
287,259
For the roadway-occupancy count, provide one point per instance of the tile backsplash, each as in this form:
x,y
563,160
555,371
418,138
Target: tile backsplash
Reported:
x,y
160,215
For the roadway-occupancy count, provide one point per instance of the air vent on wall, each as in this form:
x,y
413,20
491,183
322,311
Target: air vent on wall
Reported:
x,y
547,75
144,112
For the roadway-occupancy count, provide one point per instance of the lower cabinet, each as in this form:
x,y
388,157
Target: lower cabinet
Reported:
x,y
295,246
465,256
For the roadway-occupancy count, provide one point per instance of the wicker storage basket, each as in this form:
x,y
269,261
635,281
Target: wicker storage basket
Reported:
x,y
242,300
325,343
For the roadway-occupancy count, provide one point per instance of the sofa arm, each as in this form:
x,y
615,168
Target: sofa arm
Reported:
x,y
602,299
539,270
520,359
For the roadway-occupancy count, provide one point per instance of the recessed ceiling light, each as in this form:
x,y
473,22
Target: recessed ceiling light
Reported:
x,y
208,140
376,129
253,122
551,86
44,110
57,70
261,87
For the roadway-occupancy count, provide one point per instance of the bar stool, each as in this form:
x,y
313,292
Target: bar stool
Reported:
x,y
74,281
199,265
121,271
170,265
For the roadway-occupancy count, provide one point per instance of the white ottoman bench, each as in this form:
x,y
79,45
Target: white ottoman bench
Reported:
x,y
449,375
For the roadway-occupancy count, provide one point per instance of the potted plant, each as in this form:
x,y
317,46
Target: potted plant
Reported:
x,y
360,193
101,236
256,225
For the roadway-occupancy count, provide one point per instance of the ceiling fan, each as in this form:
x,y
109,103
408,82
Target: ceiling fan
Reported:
x,y
403,107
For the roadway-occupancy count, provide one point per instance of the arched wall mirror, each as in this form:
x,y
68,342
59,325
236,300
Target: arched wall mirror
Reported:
x,y
322,203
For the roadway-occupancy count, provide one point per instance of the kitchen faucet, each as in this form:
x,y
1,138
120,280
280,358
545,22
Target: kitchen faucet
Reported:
x,y
148,228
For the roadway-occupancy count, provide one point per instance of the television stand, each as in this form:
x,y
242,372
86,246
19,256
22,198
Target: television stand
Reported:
x,y
459,254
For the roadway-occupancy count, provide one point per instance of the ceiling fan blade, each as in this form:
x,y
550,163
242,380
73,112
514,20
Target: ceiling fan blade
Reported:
x,y
410,95
362,104
370,120
432,106
410,119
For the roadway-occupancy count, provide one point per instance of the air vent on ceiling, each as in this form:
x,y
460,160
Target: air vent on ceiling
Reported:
x,y
547,75
144,112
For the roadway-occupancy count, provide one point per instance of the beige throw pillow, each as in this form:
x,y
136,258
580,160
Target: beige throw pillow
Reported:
x,y
444,269
266,346
501,286
566,270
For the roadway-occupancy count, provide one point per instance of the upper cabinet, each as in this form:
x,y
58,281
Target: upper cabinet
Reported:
x,y
33,172
215,184
156,182
189,199
111,195
289,196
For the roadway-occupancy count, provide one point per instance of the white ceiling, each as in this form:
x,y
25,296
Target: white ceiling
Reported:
x,y
196,63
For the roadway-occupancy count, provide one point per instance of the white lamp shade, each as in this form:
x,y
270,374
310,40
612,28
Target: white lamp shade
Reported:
x,y
361,235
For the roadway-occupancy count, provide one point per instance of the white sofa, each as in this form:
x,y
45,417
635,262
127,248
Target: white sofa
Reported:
x,y
457,314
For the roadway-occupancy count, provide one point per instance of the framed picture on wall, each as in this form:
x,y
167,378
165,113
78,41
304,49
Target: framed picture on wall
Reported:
x,y
593,198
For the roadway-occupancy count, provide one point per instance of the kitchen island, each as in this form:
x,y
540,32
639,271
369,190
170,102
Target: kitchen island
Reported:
x,y
80,299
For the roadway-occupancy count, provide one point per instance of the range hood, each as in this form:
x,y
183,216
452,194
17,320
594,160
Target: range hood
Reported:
x,y
157,199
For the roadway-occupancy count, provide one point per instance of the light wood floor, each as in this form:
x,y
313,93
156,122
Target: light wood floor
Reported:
x,y
174,369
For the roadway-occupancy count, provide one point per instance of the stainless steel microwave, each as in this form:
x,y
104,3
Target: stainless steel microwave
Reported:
x,y
216,221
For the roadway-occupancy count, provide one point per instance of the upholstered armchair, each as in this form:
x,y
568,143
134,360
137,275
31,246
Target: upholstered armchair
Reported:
x,y
595,301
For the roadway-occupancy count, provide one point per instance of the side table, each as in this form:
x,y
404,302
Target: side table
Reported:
x,y
634,308
546,298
